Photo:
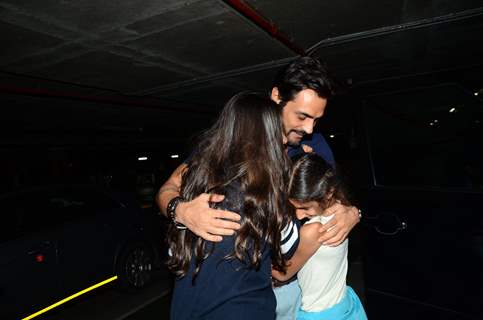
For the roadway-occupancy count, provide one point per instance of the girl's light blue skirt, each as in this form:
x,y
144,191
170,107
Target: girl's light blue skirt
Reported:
x,y
350,308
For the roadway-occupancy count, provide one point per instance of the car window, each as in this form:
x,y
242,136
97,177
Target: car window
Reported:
x,y
76,203
426,137
33,211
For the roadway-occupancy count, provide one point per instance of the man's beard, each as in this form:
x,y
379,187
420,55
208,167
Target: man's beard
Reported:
x,y
298,142
293,144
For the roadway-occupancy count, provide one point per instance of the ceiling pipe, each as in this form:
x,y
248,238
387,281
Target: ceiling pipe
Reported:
x,y
373,33
418,24
271,28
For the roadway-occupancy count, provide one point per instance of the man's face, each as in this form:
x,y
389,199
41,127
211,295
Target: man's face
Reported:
x,y
306,209
300,115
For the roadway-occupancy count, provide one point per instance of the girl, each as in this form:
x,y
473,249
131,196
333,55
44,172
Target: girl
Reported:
x,y
242,157
313,186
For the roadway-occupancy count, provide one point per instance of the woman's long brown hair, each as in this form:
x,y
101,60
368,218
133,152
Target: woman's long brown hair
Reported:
x,y
244,145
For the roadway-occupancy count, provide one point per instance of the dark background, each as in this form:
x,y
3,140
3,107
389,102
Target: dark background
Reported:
x,y
88,87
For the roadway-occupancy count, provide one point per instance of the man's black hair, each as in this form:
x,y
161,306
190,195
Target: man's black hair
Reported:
x,y
303,73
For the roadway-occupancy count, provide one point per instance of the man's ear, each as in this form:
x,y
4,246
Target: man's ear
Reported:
x,y
275,97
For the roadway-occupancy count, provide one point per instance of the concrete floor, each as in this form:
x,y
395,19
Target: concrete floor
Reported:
x,y
108,303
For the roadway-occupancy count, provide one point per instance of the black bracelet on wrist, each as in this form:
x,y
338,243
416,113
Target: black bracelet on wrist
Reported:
x,y
171,212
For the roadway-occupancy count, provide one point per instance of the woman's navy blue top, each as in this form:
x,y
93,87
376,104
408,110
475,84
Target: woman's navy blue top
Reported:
x,y
228,288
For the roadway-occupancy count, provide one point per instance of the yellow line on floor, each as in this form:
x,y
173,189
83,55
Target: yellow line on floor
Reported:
x,y
75,295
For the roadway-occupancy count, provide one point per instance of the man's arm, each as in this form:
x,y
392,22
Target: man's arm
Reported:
x,y
337,229
170,189
308,245
196,215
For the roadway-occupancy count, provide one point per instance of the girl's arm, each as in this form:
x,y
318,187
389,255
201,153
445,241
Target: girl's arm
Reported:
x,y
308,245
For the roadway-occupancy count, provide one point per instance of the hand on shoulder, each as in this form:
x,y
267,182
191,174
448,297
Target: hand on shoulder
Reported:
x,y
210,224
334,232
307,149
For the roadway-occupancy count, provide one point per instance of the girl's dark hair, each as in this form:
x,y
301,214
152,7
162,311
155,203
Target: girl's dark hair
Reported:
x,y
303,73
245,147
313,179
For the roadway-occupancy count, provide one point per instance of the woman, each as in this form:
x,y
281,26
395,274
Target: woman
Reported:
x,y
241,156
313,187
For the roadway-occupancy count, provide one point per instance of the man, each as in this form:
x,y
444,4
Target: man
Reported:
x,y
302,90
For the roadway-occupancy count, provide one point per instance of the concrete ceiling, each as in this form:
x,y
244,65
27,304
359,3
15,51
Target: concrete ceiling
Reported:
x,y
166,67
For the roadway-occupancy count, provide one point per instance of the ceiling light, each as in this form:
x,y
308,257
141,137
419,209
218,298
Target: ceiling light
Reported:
x,y
332,136
452,110
143,158
476,93
435,121
174,156
431,124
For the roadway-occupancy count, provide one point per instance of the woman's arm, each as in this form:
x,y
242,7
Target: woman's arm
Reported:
x,y
308,245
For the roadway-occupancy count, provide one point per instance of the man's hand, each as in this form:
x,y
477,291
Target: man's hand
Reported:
x,y
208,223
335,231
307,149
196,215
